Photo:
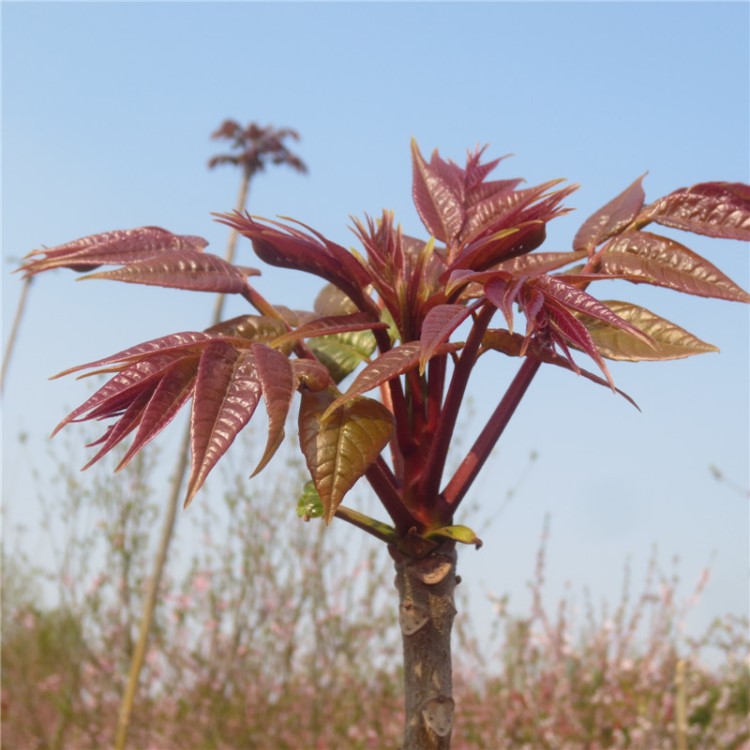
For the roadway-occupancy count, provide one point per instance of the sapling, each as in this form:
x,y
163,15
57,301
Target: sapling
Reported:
x,y
389,315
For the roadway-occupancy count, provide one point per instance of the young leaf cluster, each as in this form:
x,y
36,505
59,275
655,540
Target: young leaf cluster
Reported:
x,y
391,311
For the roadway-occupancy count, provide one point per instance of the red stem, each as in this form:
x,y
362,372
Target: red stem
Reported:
x,y
385,486
466,473
435,462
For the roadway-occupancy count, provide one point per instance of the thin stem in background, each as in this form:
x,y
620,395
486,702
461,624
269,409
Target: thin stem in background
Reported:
x,y
14,329
175,492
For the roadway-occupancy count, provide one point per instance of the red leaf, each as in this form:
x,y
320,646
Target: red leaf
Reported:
x,y
500,246
438,326
387,366
174,389
330,325
514,345
717,209
119,247
278,383
502,293
611,219
119,391
122,428
227,391
189,341
288,247
185,269
647,258
435,197
539,263
570,297
574,332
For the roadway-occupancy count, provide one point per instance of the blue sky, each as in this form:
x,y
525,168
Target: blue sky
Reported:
x,y
107,111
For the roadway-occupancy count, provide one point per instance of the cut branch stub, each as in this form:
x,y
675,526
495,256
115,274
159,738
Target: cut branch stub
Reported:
x,y
438,714
412,617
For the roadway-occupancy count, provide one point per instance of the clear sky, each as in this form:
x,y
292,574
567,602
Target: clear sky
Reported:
x,y
107,111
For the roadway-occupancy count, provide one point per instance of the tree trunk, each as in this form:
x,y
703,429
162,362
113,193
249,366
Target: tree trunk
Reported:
x,y
426,611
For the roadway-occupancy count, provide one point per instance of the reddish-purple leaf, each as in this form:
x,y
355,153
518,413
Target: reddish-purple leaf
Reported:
x,y
718,209
227,391
340,449
185,269
119,391
501,246
118,431
436,199
648,258
330,325
119,247
572,298
538,263
174,389
288,247
438,326
503,293
387,366
516,345
278,383
572,331
611,219
514,208
189,341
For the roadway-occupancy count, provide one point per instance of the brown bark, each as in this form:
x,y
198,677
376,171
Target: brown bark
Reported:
x,y
426,612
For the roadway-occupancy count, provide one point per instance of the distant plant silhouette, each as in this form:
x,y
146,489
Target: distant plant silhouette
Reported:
x,y
394,307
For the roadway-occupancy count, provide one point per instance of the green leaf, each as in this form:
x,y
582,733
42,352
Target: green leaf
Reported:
x,y
648,258
332,301
342,353
669,340
462,534
309,504
339,451
261,328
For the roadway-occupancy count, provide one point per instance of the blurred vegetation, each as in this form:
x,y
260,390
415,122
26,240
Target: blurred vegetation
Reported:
x,y
257,648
